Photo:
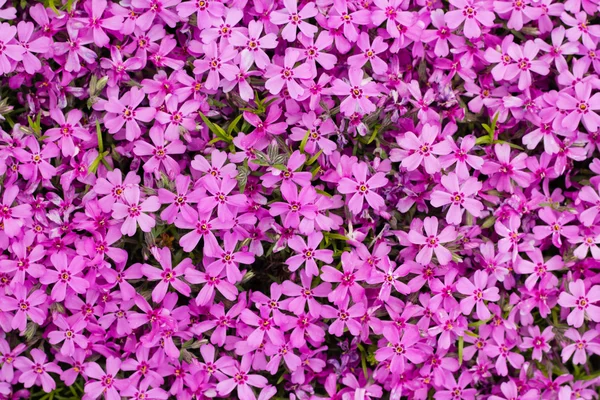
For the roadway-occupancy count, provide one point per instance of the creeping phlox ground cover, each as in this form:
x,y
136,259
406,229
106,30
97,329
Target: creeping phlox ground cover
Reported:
x,y
273,199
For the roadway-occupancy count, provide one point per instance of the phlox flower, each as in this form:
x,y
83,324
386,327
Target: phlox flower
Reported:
x,y
65,275
359,91
473,14
25,305
286,75
511,391
581,300
308,253
159,152
134,212
36,372
344,316
69,332
432,243
477,292
582,344
169,276
103,383
459,198
294,19
126,111
362,188
241,380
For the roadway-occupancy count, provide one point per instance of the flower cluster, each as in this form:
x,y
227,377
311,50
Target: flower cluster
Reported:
x,y
330,199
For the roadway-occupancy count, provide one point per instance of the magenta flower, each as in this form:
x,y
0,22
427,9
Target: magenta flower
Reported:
x,y
25,305
216,63
511,391
36,372
286,75
299,209
11,50
524,63
501,350
300,296
477,292
583,344
212,282
504,170
207,10
69,333
308,253
31,44
167,275
421,150
179,203
401,349
358,91
126,111
362,188
68,129
581,107
473,14
294,19
581,301
228,259
289,177
65,276
253,44
12,217
97,23
538,268
538,341
432,243
202,226
221,199
369,54
114,187
344,317
459,198
134,212
556,225
241,380
103,383
177,118
348,280
75,49
160,152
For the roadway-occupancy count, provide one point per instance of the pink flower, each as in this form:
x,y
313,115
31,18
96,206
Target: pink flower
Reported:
x,y
539,341
36,372
228,259
177,118
308,253
240,379
369,54
216,63
504,170
40,44
537,267
253,44
359,92
160,152
299,209
169,276
581,107
294,19
420,150
134,212
226,203
126,111
179,203
520,12
433,242
362,189
279,76
103,383
344,317
581,301
582,343
348,279
67,130
69,333
473,14
524,62
477,293
206,10
291,176
155,8
12,217
65,276
25,306
11,50
400,350
511,391
97,23
458,196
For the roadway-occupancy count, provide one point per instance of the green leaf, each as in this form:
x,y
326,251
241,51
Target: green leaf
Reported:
x,y
483,140
314,158
99,136
217,130
461,345
374,134
335,236
233,124
304,141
